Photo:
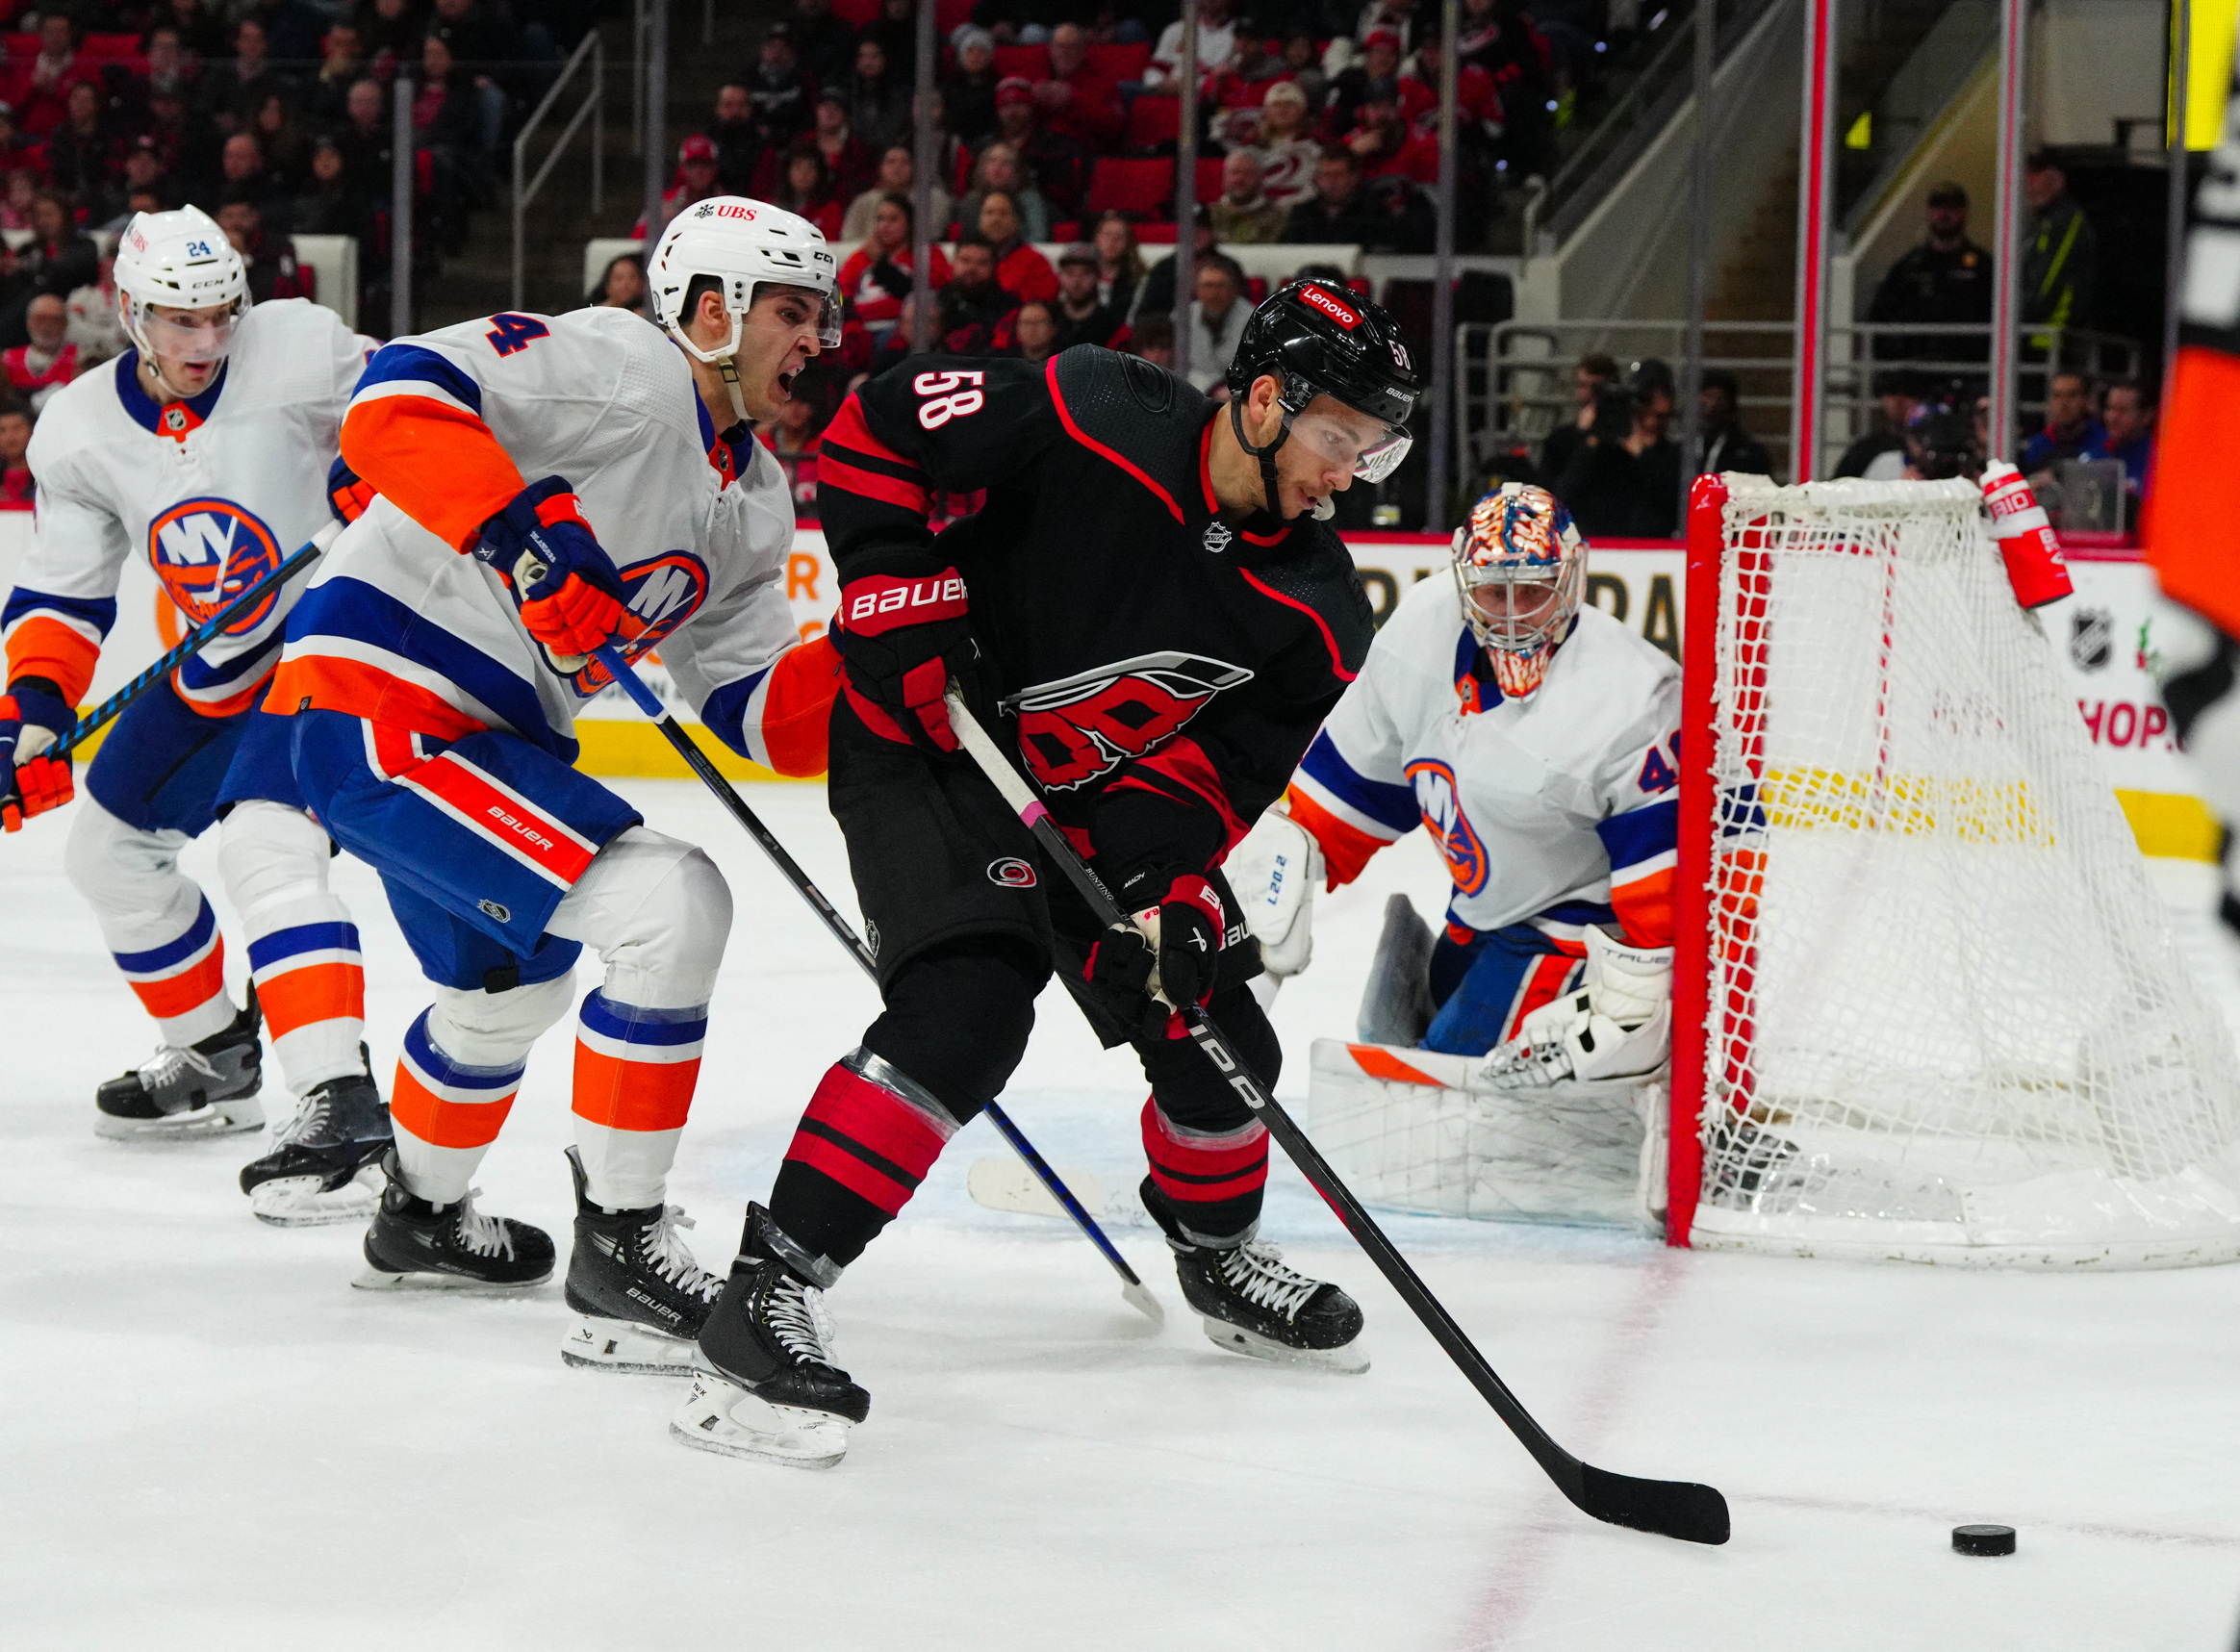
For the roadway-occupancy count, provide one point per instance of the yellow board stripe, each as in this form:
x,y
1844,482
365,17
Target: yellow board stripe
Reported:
x,y
612,746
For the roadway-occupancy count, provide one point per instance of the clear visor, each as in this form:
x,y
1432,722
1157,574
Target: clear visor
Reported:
x,y
196,346
1368,449
828,323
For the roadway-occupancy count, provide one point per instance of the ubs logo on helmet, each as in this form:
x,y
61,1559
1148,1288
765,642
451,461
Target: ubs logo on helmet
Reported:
x,y
1439,800
1343,314
657,597
206,552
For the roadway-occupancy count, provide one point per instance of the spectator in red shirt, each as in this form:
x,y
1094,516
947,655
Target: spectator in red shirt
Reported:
x,y
697,180
53,72
37,369
1020,270
15,485
1058,166
847,161
1253,67
1385,147
878,279
808,189
1076,100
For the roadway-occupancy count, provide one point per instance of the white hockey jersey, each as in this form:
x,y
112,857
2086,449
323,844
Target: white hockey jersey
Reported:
x,y
1558,809
403,628
215,492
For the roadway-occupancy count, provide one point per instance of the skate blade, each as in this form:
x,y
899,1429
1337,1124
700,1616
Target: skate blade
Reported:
x,y
724,1417
598,1344
301,1201
1347,1360
220,1118
373,1278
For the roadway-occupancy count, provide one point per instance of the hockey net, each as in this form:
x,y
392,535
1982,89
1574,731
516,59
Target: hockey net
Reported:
x,y
1928,1005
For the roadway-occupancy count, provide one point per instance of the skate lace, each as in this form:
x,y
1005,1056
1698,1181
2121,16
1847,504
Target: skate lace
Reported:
x,y
162,1070
672,1261
797,1317
1257,1273
311,1119
484,1235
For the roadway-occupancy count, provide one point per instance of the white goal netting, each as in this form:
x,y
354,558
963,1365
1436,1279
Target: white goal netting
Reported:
x,y
1947,1018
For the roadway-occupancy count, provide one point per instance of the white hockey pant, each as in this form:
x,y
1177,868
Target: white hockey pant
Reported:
x,y
154,919
303,948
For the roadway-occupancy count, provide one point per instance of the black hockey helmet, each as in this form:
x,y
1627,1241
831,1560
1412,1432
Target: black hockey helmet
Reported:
x,y
1317,339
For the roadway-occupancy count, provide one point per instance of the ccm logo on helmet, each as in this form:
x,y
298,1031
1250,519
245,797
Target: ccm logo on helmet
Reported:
x,y
1344,315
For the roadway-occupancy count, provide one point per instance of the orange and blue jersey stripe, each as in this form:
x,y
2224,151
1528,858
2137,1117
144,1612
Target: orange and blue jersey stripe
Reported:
x,y
58,638
415,434
1643,849
1349,814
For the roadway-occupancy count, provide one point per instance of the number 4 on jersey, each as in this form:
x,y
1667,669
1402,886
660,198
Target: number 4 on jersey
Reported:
x,y
510,332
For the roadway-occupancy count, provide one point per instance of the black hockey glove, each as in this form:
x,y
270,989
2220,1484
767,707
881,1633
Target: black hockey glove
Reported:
x,y
1171,948
903,631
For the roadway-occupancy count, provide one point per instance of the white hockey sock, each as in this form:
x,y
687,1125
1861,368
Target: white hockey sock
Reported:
x,y
303,948
658,912
456,1078
154,921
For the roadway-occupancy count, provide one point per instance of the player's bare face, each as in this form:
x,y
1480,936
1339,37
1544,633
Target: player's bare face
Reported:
x,y
775,342
1518,609
188,349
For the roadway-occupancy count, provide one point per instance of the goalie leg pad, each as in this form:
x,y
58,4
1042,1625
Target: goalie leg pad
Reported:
x,y
1396,1001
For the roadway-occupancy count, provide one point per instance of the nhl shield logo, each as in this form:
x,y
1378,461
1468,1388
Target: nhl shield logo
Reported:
x,y
1217,536
2092,638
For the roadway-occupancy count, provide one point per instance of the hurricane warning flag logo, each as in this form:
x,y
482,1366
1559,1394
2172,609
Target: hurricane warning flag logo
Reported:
x,y
1079,728
207,552
1439,799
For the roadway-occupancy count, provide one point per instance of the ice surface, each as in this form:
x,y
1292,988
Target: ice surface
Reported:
x,y
207,1440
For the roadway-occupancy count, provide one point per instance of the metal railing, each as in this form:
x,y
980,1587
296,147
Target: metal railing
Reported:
x,y
588,110
1514,381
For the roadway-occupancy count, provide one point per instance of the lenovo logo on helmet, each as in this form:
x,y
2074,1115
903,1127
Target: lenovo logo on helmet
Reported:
x,y
1344,315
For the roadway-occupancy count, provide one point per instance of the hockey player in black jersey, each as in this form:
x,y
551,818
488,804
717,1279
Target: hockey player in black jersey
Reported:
x,y
1149,610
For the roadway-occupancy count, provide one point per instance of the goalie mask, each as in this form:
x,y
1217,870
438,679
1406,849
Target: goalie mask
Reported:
x,y
1520,567
741,244
179,261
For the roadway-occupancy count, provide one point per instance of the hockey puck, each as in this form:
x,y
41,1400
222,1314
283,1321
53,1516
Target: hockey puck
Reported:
x,y
1983,1539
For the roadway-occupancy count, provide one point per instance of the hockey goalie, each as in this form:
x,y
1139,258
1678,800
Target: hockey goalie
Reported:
x,y
1509,1066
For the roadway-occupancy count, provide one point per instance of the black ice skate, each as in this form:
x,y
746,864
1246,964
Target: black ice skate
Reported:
x,y
1251,1304
764,1384
413,1245
321,1168
641,1296
207,1088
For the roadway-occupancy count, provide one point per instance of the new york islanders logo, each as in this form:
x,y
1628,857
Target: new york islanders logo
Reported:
x,y
207,551
1079,728
657,597
1439,799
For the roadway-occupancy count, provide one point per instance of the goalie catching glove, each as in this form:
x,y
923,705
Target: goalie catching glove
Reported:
x,y
33,716
1166,956
560,576
1618,1025
1275,872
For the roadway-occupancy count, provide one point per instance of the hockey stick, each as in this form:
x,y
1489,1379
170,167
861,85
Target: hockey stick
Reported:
x,y
1671,1507
1131,1286
84,729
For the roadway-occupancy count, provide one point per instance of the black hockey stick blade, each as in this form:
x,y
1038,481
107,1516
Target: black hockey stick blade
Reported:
x,y
1669,1508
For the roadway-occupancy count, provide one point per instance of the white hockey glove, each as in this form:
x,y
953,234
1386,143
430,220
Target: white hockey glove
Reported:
x,y
1618,1025
1274,873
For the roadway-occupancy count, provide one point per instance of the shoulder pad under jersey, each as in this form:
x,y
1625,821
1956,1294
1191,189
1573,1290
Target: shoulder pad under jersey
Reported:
x,y
1317,571
1130,407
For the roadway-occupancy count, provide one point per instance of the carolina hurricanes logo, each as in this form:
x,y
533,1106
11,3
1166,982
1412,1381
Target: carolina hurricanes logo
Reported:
x,y
657,597
207,551
1011,873
1073,730
1439,800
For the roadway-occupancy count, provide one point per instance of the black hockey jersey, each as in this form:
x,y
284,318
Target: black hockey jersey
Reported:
x,y
1161,671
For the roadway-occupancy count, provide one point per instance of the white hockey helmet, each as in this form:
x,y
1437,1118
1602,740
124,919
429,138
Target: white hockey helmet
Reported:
x,y
181,261
742,243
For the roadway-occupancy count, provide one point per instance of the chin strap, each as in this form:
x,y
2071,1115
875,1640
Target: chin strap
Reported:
x,y
1266,455
728,367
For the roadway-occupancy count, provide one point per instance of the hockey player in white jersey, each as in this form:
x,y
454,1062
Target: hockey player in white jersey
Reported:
x,y
1537,739
548,484
205,449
